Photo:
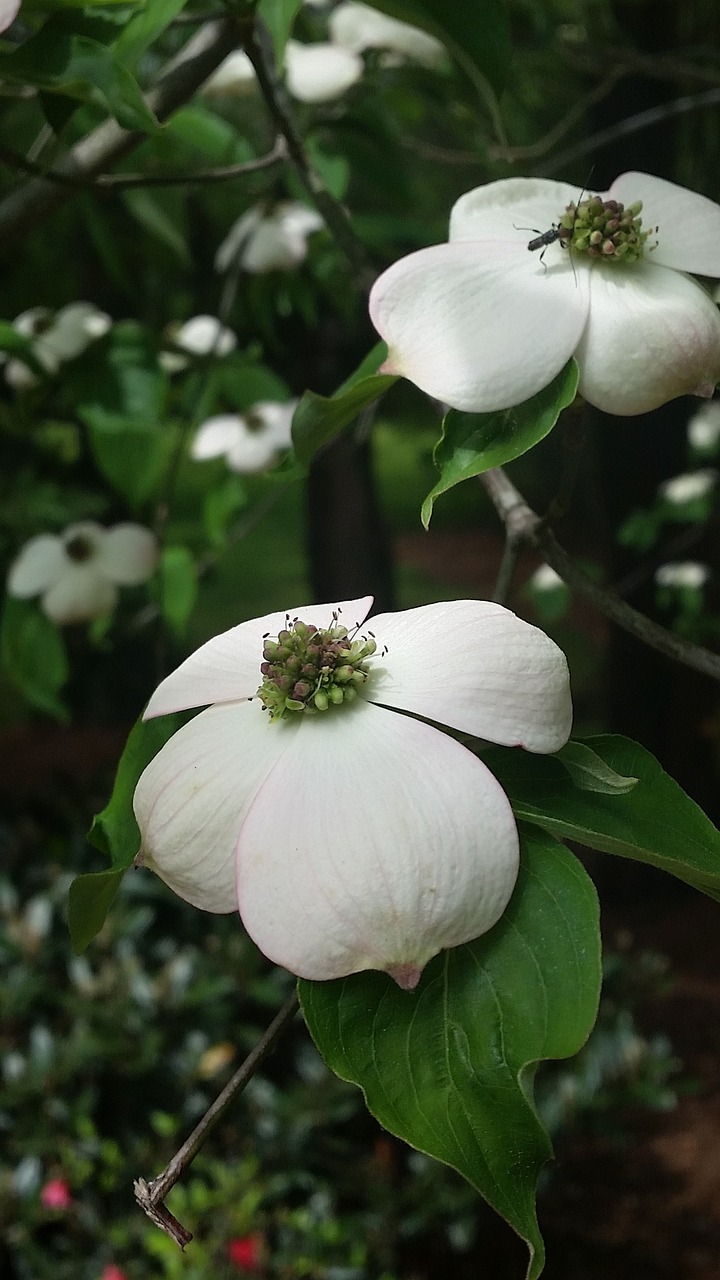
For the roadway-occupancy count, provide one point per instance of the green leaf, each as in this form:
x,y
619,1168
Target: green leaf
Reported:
x,y
89,900
590,773
34,656
222,503
178,587
656,822
144,27
448,1068
131,454
278,16
68,56
475,442
115,831
18,345
121,374
479,41
319,419
160,214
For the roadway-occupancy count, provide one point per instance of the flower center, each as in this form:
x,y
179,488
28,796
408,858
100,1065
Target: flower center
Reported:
x,y
604,229
79,548
311,669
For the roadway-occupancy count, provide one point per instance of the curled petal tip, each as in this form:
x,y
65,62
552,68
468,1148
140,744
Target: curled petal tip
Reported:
x,y
407,976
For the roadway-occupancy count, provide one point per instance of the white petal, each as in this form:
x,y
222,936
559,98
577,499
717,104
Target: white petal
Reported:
x,y
227,668
8,13
216,436
272,248
33,321
276,419
513,210
296,218
653,334
235,77
477,667
358,27
479,325
204,336
253,451
192,799
236,237
688,224
40,563
375,842
73,329
320,72
81,593
128,554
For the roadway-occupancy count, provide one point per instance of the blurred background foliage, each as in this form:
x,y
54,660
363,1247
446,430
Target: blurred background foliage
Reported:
x,y
107,1059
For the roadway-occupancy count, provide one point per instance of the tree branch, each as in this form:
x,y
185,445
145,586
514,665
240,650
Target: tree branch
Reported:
x,y
334,214
149,1195
119,181
32,203
523,524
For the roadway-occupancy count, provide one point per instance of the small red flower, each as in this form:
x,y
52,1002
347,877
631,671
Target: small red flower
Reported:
x,y
56,1194
245,1252
111,1272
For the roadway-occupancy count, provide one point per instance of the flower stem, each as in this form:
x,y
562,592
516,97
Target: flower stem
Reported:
x,y
524,525
150,1195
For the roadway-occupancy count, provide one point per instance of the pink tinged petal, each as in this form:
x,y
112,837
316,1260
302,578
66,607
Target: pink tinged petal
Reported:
x,y
652,335
193,798
474,666
374,843
320,72
514,210
81,593
216,437
688,236
480,326
128,554
8,12
40,563
227,668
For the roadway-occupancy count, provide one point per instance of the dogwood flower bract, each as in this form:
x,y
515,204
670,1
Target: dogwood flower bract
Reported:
x,y
77,574
265,239
55,338
483,324
347,835
249,441
358,27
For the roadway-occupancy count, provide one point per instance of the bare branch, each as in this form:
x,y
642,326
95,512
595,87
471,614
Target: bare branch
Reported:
x,y
37,199
119,181
524,525
149,1195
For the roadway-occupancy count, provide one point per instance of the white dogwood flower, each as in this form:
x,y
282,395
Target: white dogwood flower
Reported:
x,y
689,487
682,575
8,13
55,338
483,324
234,78
269,239
199,336
77,574
347,835
249,441
358,27
703,429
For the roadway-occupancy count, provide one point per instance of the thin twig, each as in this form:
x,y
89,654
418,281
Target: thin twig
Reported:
x,y
575,113
150,1195
118,181
525,525
33,202
333,213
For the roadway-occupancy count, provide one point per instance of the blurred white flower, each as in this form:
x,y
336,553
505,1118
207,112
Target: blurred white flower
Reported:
x,y
249,441
199,336
704,428
77,574
682,573
349,836
55,338
320,72
358,27
689,487
235,77
269,239
545,579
